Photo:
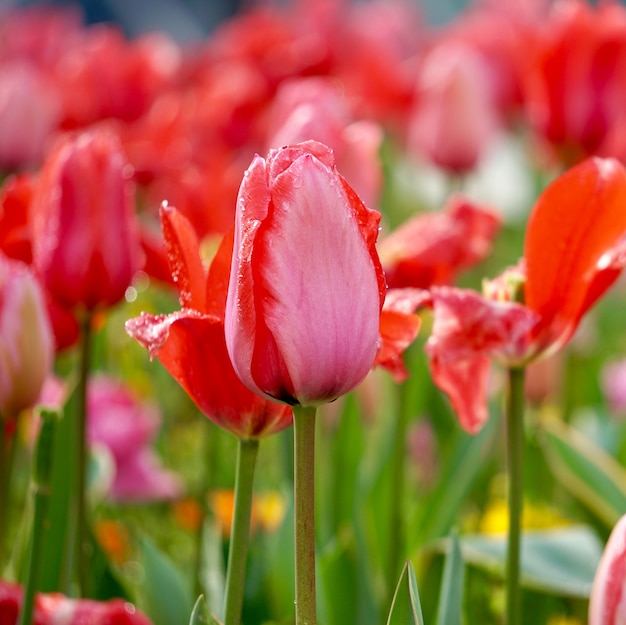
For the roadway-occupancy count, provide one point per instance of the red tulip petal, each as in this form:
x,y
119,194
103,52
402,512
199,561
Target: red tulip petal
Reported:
x,y
182,247
468,331
218,277
399,326
191,346
578,219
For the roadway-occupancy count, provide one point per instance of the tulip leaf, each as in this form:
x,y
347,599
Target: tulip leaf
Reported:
x,y
451,596
166,594
212,571
201,615
560,561
587,471
56,557
436,515
279,556
345,592
405,607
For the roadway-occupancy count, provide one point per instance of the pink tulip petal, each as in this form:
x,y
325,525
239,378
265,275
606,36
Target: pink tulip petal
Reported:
x,y
337,326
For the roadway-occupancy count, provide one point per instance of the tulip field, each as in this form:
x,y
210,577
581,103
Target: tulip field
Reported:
x,y
318,320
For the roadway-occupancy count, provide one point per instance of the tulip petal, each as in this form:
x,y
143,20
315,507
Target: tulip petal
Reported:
x,y
606,604
468,331
577,220
181,243
191,346
399,326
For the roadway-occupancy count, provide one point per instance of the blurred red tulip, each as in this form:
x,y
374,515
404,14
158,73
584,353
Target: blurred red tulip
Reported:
x,y
575,82
190,343
306,288
55,608
85,236
432,248
573,252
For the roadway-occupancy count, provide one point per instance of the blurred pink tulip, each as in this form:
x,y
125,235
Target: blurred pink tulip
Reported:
x,y
85,236
306,287
315,108
26,343
607,604
455,117
30,109
127,428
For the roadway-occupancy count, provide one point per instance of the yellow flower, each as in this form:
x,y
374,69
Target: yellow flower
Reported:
x,y
536,516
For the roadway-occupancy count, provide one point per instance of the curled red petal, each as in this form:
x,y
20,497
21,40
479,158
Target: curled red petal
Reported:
x,y
576,221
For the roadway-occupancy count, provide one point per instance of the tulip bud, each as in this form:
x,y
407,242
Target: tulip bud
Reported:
x,y
607,604
26,344
86,243
306,287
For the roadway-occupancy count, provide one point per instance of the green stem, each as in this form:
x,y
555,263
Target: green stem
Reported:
x,y
7,449
515,449
304,513
396,499
41,495
240,534
83,545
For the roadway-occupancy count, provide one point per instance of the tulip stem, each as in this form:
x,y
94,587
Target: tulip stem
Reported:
x,y
7,452
304,513
83,546
240,534
515,449
41,485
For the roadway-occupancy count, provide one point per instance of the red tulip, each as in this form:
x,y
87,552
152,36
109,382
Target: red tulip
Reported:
x,y
190,343
433,248
85,242
573,252
306,287
606,604
54,608
574,83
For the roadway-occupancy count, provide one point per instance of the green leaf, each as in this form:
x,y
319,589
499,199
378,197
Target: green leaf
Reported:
x,y
201,615
212,574
279,556
345,594
437,514
56,561
405,607
167,598
451,597
560,561
587,471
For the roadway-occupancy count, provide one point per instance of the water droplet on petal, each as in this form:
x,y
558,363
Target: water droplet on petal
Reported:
x,y
297,181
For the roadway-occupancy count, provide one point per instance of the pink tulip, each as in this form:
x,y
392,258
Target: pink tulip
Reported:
x,y
607,604
306,286
455,117
85,236
315,108
126,427
26,343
